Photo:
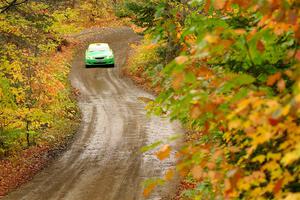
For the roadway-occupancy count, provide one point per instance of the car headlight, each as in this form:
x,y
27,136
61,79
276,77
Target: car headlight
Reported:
x,y
110,56
89,57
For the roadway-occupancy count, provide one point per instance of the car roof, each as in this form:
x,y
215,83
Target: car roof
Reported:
x,y
103,46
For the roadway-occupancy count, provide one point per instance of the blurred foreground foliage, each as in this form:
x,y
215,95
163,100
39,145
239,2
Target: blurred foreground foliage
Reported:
x,y
35,95
229,71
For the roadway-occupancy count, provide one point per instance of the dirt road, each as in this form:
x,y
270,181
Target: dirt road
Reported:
x,y
104,162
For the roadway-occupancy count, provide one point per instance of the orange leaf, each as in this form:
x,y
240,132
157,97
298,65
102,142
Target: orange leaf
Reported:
x,y
178,79
281,85
181,59
226,43
195,111
219,4
197,172
228,6
234,176
242,3
260,46
204,72
274,5
164,152
293,17
297,31
251,34
207,5
211,165
240,31
228,188
150,46
297,56
183,172
149,189
277,186
264,20
273,78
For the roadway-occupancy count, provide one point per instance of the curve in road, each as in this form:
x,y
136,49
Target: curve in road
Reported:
x,y
104,162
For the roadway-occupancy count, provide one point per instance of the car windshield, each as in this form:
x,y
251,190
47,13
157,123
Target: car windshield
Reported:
x,y
97,48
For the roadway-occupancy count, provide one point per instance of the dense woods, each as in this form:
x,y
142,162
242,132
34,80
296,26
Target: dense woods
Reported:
x,y
35,96
229,71
34,92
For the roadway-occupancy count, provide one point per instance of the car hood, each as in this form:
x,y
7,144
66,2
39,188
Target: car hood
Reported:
x,y
98,53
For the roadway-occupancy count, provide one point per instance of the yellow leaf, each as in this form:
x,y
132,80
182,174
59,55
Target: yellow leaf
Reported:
x,y
276,173
290,157
285,144
264,134
256,193
293,196
164,152
286,110
234,124
243,184
178,35
242,105
273,156
260,158
145,99
169,175
297,98
212,39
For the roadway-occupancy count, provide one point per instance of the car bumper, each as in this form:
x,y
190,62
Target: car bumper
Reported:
x,y
108,61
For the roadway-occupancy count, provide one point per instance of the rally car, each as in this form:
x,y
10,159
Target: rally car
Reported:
x,y
99,54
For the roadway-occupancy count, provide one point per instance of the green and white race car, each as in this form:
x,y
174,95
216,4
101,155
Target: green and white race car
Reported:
x,y
99,54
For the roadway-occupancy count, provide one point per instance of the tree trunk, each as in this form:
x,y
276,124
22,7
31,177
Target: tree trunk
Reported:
x,y
27,133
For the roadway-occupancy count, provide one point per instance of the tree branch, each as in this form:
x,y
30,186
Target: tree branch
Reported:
x,y
11,4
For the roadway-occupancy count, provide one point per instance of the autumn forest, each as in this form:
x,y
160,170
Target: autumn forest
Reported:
x,y
227,71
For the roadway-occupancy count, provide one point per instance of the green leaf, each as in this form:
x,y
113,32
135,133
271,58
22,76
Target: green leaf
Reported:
x,y
239,80
151,146
241,94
